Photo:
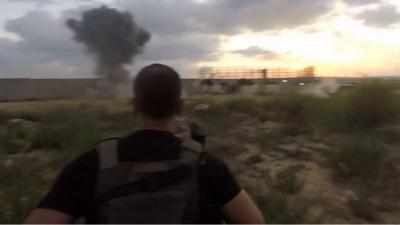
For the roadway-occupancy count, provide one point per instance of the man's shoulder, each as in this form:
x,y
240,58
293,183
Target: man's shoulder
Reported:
x,y
218,181
87,162
213,166
89,159
211,160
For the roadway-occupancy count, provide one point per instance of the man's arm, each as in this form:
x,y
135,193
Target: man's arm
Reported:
x,y
225,193
48,216
242,210
71,195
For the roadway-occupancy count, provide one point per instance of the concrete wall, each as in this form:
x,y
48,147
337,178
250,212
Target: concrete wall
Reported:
x,y
39,89
29,89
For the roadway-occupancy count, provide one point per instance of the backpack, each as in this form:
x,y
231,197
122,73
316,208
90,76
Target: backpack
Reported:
x,y
147,192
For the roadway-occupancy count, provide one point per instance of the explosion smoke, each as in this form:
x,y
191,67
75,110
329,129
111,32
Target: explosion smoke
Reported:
x,y
114,39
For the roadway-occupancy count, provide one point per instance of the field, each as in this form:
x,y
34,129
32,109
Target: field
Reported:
x,y
305,159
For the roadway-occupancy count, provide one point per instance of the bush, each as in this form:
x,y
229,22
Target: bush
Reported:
x,y
47,137
292,109
266,140
25,115
207,82
370,105
21,189
326,115
364,208
277,209
241,104
16,137
359,156
287,181
222,114
214,123
230,105
231,88
68,131
245,82
390,134
4,116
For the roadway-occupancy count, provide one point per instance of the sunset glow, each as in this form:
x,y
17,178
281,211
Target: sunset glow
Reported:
x,y
337,37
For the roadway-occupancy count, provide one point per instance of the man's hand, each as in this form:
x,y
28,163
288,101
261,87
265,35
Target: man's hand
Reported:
x,y
48,216
242,210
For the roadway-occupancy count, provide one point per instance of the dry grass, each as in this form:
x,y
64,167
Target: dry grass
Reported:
x,y
232,121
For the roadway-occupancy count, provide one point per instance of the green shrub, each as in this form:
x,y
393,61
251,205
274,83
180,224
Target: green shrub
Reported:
x,y
4,116
231,88
221,115
244,82
79,134
266,140
370,105
47,137
390,134
287,181
358,156
240,104
364,208
26,115
291,107
326,115
21,189
277,209
207,82
15,138
68,131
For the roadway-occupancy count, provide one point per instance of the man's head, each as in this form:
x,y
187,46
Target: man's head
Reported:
x,y
157,89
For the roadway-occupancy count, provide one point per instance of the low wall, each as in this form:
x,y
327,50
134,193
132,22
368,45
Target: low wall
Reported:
x,y
41,89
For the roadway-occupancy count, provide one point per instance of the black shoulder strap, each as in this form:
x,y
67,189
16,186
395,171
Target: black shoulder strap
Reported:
x,y
113,173
108,153
195,148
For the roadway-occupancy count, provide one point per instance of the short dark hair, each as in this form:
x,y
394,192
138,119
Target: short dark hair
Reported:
x,y
157,89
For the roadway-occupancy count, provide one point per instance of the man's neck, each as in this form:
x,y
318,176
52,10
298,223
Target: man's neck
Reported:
x,y
161,125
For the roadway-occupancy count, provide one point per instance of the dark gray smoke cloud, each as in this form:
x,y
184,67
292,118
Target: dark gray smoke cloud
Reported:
x,y
113,38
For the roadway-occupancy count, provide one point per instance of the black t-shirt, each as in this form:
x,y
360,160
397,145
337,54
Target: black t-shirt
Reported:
x,y
74,191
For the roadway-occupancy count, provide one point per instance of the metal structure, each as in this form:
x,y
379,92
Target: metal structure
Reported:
x,y
253,73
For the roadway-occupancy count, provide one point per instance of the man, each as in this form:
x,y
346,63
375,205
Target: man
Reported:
x,y
157,103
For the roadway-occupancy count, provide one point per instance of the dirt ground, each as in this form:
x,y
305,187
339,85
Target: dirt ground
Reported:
x,y
293,168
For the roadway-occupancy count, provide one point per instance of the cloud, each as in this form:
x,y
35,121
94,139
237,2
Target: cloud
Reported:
x,y
224,16
46,2
360,2
45,48
187,46
43,2
383,16
255,51
184,33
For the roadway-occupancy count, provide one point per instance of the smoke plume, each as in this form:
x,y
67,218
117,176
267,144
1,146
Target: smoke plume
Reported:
x,y
324,88
114,39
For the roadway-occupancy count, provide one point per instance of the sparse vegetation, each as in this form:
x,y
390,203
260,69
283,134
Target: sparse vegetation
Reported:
x,y
244,82
362,130
287,180
359,156
279,209
364,208
269,139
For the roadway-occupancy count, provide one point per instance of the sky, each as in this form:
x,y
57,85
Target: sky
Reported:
x,y
337,37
